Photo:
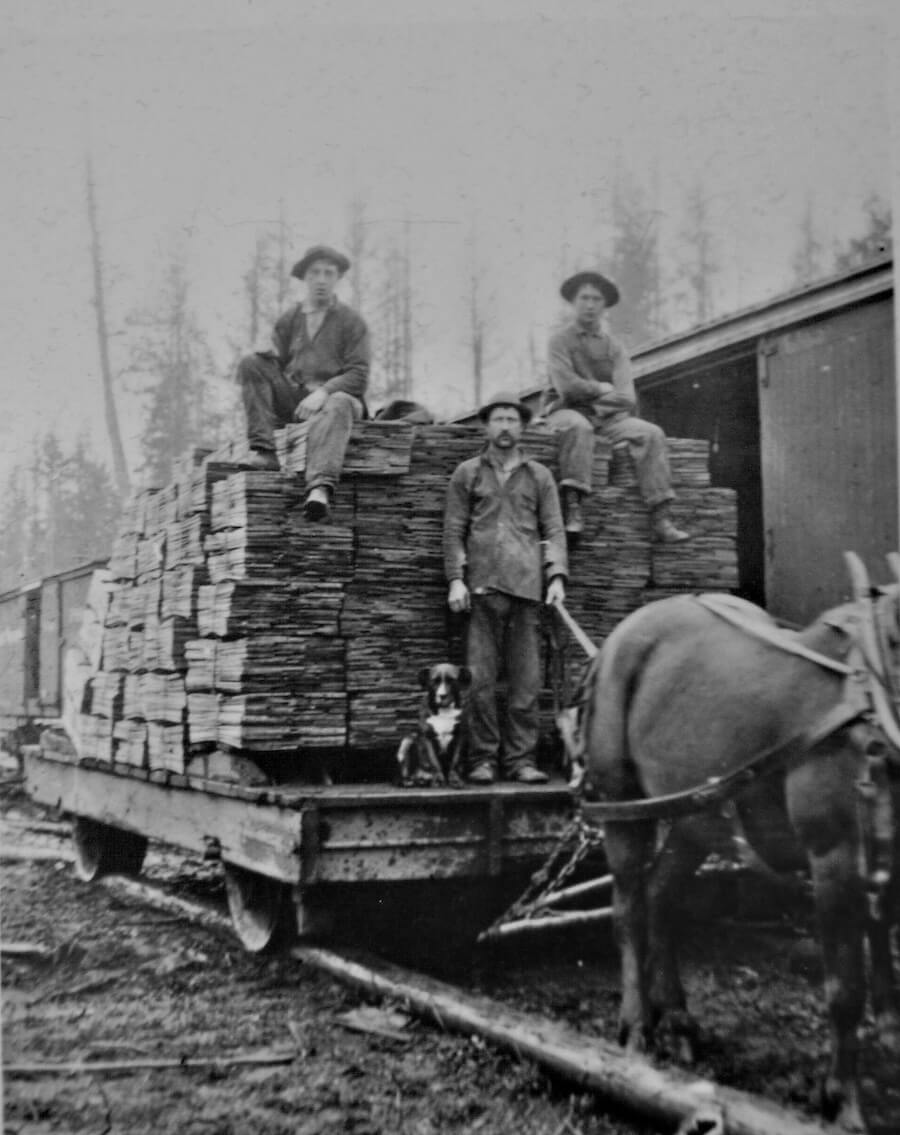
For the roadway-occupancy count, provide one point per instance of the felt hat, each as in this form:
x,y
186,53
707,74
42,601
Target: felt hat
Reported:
x,y
320,252
569,288
506,398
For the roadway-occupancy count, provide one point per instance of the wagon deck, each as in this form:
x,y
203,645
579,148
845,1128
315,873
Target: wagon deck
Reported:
x,y
299,839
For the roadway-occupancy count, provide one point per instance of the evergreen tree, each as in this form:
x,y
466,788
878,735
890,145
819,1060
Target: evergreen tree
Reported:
x,y
632,261
808,260
876,240
699,264
173,357
58,512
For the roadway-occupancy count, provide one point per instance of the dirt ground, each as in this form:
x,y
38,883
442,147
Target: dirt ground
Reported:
x,y
128,983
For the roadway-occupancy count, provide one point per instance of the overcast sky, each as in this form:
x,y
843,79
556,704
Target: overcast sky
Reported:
x,y
202,115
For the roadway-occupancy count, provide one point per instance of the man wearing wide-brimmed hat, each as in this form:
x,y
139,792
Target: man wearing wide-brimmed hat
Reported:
x,y
504,550
318,372
592,391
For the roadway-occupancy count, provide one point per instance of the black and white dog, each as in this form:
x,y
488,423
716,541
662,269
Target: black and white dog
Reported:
x,y
436,754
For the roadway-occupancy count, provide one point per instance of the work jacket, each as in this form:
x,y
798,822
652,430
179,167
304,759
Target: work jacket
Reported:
x,y
336,357
504,537
590,372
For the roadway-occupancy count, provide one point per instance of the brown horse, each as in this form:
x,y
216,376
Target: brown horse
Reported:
x,y
680,694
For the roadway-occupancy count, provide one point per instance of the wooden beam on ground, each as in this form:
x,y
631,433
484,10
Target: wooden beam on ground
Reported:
x,y
666,1096
35,855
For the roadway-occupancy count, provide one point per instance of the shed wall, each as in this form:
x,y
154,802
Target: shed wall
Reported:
x,y
828,407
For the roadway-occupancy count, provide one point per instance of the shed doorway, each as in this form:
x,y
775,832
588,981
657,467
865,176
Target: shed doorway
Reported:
x,y
720,404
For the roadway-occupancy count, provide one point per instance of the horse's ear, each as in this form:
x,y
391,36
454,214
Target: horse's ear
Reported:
x,y
465,676
859,577
424,677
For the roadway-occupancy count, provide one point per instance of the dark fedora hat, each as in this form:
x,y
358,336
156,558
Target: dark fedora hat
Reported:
x,y
320,252
569,288
506,398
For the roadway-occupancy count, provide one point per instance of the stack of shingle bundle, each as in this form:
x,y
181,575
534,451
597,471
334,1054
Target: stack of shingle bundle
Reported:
x,y
711,565
130,737
241,624
378,449
279,665
248,528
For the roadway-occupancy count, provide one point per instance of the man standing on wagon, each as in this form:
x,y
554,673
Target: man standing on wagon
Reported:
x,y
503,538
318,372
592,391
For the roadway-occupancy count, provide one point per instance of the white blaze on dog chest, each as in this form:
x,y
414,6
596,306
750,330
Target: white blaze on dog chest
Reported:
x,y
443,726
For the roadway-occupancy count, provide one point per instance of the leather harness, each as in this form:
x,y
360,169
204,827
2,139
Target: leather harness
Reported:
x,y
864,677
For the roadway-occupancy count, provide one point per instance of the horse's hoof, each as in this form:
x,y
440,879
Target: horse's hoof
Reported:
x,y
633,1038
709,1120
840,1106
686,1052
681,1035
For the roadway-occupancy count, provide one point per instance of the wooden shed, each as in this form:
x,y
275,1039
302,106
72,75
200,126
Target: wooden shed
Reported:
x,y
798,399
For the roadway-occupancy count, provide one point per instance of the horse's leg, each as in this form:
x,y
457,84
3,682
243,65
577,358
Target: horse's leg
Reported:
x,y
882,982
885,993
841,911
675,863
821,800
628,847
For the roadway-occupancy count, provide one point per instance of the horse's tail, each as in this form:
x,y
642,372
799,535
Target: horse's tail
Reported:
x,y
609,684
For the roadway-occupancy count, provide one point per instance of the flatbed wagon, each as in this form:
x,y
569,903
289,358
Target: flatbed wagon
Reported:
x,y
242,677
289,852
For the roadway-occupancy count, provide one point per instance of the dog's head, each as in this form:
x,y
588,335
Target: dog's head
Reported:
x,y
444,685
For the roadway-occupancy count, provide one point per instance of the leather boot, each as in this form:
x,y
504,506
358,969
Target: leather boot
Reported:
x,y
572,509
664,530
317,505
259,459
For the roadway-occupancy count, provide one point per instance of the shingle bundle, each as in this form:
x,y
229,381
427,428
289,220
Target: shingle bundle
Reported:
x,y
232,621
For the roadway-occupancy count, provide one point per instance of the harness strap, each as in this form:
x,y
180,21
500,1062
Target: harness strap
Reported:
x,y
770,634
719,788
589,648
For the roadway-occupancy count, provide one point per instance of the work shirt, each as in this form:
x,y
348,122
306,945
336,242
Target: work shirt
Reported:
x,y
590,372
505,536
336,357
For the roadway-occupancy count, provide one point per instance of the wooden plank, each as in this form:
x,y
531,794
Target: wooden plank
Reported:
x,y
833,381
666,1096
262,839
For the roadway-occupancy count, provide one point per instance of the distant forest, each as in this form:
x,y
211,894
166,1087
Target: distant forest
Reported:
x,y
59,508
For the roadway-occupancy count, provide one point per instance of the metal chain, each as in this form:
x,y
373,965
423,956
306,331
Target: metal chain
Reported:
x,y
554,873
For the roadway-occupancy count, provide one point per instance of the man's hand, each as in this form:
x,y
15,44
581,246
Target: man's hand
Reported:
x,y
556,591
311,404
458,597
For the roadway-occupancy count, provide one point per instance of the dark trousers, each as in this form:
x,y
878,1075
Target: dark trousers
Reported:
x,y
270,399
503,629
645,440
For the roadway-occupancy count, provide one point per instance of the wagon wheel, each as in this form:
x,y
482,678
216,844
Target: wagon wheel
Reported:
x,y
104,850
261,910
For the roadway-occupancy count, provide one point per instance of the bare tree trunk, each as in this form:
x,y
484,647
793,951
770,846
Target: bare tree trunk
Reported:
x,y
253,285
109,402
406,309
283,278
357,247
477,317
